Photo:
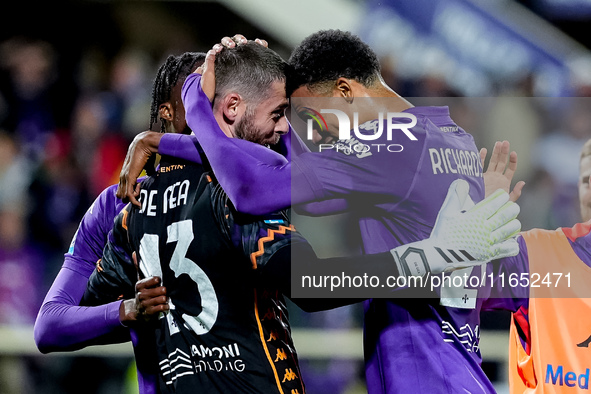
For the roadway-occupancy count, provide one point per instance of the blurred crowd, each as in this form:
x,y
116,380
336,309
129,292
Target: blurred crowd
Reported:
x,y
62,141
64,135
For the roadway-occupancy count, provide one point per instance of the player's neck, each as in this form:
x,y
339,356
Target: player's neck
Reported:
x,y
378,99
395,102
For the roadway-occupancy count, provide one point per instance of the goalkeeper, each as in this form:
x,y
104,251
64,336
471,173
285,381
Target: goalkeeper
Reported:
x,y
213,302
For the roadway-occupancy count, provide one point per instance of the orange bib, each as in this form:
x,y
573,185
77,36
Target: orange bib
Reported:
x,y
559,320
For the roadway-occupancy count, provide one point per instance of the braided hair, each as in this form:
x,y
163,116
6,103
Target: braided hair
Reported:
x,y
175,68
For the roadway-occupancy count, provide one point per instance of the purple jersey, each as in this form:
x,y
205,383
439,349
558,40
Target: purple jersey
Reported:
x,y
62,324
411,345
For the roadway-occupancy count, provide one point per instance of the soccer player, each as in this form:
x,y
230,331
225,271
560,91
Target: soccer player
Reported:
x,y
411,345
63,325
227,329
217,265
549,346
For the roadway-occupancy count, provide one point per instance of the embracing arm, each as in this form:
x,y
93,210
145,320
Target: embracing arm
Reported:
x,y
115,277
142,149
63,325
485,231
186,147
257,179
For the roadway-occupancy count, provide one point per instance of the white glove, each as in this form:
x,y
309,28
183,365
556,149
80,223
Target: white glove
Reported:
x,y
463,238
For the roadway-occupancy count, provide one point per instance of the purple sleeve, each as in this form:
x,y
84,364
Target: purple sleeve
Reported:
x,y
258,180
184,147
317,208
291,145
503,296
323,208
180,146
61,324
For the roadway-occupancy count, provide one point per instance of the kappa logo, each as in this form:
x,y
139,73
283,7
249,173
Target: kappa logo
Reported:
x,y
281,355
272,336
289,375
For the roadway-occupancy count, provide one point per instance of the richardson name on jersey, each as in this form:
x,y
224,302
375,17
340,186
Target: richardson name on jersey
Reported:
x,y
557,376
174,196
455,161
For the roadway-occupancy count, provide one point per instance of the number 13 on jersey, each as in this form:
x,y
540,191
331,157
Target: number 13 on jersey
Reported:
x,y
150,265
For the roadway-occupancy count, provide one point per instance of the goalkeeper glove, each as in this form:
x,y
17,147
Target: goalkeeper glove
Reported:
x,y
463,238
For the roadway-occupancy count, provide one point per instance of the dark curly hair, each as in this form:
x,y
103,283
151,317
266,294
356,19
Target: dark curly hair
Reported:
x,y
175,68
327,55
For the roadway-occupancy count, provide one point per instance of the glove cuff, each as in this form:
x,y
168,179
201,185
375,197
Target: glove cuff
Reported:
x,y
413,259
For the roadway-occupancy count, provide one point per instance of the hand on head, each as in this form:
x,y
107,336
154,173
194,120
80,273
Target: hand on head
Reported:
x,y
207,69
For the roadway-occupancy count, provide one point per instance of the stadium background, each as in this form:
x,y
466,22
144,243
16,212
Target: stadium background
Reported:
x,y
75,84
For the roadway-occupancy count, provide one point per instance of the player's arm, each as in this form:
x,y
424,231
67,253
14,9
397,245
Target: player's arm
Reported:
x,y
185,147
115,273
115,278
256,184
63,325
477,235
257,179
143,147
323,208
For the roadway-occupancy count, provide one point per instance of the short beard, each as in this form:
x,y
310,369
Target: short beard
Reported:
x,y
246,130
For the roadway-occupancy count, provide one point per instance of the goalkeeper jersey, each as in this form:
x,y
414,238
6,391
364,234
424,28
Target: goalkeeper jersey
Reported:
x,y
227,330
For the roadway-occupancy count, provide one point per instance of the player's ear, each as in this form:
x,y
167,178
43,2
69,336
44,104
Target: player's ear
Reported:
x,y
343,88
230,106
165,111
